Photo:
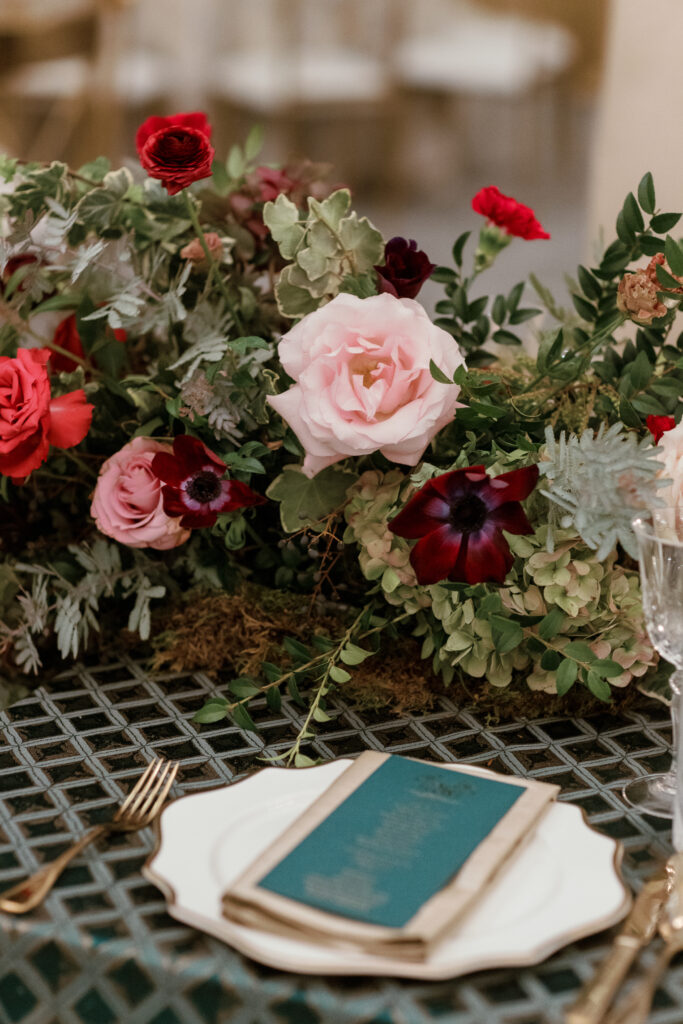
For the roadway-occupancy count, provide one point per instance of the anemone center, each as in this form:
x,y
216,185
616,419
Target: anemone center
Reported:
x,y
204,487
468,515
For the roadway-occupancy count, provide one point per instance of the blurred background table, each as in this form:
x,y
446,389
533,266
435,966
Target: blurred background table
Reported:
x,y
103,949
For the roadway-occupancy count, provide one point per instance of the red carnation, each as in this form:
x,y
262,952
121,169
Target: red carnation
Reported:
x,y
507,214
658,425
405,270
194,485
459,518
176,150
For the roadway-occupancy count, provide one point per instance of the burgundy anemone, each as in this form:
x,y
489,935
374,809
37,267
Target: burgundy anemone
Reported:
x,y
458,520
194,487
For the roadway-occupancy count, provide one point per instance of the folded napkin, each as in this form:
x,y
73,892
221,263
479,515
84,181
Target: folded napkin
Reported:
x,y
390,857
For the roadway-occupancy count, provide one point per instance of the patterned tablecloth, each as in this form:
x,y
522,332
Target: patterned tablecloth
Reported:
x,y
103,949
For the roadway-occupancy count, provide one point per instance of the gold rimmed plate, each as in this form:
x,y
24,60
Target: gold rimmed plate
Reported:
x,y
563,885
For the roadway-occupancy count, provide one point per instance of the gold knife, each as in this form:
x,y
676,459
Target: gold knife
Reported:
x,y
638,929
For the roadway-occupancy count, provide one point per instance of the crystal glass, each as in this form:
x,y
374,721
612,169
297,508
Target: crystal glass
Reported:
x,y
659,533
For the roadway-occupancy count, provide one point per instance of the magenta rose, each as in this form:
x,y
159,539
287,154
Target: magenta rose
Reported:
x,y
128,505
177,150
362,380
31,419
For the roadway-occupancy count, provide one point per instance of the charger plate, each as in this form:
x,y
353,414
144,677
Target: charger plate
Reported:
x,y
563,885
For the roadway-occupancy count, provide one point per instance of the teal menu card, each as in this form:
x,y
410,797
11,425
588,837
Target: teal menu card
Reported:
x,y
393,843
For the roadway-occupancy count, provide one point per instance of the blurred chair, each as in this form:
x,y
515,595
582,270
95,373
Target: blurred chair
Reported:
x,y
298,65
481,62
72,73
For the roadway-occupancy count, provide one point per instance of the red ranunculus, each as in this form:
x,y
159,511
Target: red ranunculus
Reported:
x,y
176,150
459,518
658,425
509,215
67,337
30,418
194,485
405,270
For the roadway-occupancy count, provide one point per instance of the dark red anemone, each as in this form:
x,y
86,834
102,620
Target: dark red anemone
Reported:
x,y
459,518
194,487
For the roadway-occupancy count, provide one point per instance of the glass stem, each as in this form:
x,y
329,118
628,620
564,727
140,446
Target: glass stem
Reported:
x,y
676,684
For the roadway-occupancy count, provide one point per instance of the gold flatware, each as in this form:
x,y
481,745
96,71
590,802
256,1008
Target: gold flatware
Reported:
x,y
637,930
139,809
635,1007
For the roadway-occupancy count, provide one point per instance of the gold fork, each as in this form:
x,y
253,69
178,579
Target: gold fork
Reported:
x,y
139,809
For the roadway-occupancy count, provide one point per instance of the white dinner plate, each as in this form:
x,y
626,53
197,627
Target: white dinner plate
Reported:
x,y
563,885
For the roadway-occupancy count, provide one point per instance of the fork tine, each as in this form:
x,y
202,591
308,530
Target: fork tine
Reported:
x,y
157,805
143,805
139,790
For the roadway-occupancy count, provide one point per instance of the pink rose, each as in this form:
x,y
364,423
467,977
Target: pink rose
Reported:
x,y
362,380
127,504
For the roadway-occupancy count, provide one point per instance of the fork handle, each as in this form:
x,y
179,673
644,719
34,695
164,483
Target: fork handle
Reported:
x,y
595,997
28,894
635,1008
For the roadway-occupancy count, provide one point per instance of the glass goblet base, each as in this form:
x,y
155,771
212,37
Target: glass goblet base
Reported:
x,y
653,794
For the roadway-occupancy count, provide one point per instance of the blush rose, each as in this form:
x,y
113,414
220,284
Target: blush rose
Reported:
x,y
128,505
362,380
671,456
177,150
30,418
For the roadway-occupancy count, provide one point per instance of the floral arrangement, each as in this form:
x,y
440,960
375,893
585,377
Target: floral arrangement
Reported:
x,y
216,378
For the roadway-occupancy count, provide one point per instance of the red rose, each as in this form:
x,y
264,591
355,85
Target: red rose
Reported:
x,y
30,419
405,270
504,211
176,150
658,425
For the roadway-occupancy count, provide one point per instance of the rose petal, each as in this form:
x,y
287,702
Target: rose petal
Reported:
x,y
70,418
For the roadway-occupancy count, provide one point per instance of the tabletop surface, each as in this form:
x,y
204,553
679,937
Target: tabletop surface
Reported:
x,y
103,948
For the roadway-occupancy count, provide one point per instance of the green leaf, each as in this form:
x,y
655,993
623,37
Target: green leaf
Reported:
x,y
506,633
550,661
598,687
632,214
297,650
353,655
242,687
674,254
515,295
213,711
646,193
665,279
320,716
640,371
584,308
590,285
254,143
243,719
340,675
551,624
305,502
606,668
236,164
580,651
664,222
628,415
302,761
624,233
499,310
442,275
520,316
506,338
270,671
438,374
458,247
274,699
565,676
